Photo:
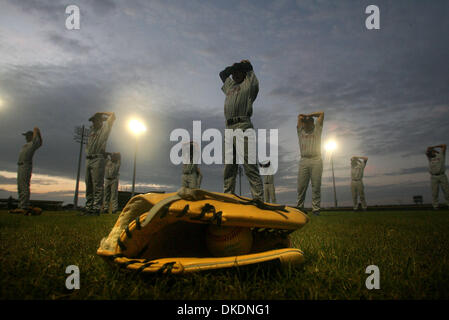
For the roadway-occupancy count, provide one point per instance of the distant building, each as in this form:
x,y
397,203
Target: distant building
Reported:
x,y
12,203
418,200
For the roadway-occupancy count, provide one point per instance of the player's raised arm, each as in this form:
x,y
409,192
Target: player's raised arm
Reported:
x,y
363,158
441,146
319,115
246,67
226,73
300,121
110,115
37,133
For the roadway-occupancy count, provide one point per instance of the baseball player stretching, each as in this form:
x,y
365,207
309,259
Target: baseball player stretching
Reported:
x,y
25,167
241,90
437,168
311,164
357,167
111,182
96,160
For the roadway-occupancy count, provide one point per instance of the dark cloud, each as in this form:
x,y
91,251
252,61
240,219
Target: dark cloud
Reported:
x,y
46,8
56,9
102,6
68,44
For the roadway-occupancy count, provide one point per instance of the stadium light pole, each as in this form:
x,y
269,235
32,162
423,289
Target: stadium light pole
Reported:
x,y
137,128
81,134
240,179
330,147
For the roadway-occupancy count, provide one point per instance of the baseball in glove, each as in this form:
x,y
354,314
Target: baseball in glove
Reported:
x,y
194,230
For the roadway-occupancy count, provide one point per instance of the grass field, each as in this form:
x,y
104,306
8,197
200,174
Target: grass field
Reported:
x,y
410,249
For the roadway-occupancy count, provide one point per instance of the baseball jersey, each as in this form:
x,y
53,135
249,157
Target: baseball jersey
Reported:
x,y
437,163
357,170
112,169
96,144
28,149
310,143
268,179
240,97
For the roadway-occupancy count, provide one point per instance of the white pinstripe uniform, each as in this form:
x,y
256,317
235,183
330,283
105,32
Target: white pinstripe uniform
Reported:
x,y
239,103
357,188
268,188
25,167
95,165
310,165
111,184
438,178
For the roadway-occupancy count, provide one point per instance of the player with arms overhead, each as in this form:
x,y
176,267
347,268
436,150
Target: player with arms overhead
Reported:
x,y
311,164
25,168
437,168
241,90
96,160
357,189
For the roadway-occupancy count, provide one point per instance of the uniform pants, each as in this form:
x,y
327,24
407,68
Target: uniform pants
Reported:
x,y
357,190
190,180
251,170
111,194
94,183
310,169
438,181
23,184
269,192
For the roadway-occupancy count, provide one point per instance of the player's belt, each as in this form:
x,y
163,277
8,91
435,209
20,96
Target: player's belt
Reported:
x,y
235,120
94,156
111,178
22,163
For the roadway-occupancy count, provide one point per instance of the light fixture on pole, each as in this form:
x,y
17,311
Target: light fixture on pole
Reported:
x,y
330,147
137,128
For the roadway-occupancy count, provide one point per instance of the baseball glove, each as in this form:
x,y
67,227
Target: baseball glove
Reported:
x,y
167,232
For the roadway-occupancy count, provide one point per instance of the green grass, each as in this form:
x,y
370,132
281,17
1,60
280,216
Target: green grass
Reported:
x,y
410,248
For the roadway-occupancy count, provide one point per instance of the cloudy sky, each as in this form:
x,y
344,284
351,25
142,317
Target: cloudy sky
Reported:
x,y
384,92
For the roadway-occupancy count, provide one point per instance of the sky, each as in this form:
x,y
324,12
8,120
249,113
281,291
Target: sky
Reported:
x,y
384,92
